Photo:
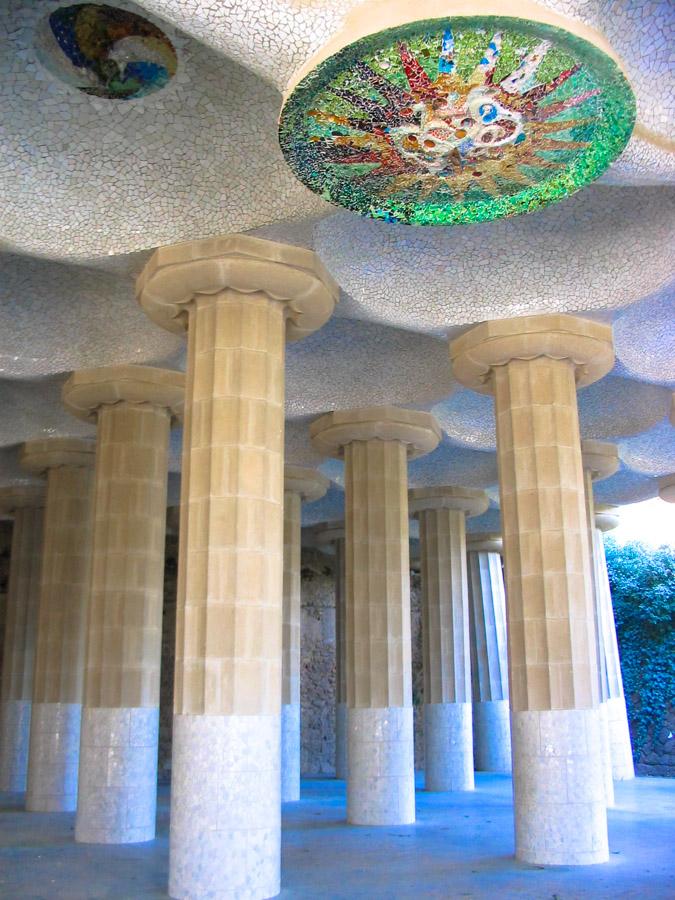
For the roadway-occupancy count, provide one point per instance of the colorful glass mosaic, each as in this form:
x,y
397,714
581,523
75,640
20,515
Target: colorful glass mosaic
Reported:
x,y
106,52
441,122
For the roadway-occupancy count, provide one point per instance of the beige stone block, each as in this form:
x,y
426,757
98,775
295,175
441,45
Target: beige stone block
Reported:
x,y
64,590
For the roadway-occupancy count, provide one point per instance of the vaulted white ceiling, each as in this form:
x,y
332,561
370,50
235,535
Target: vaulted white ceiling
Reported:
x,y
89,187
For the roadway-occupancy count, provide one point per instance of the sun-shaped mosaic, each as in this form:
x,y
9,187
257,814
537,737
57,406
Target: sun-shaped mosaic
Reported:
x,y
468,120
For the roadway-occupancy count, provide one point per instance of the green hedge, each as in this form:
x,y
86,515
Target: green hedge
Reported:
x,y
642,582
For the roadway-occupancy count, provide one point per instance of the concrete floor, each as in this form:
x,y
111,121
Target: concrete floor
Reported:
x,y
461,846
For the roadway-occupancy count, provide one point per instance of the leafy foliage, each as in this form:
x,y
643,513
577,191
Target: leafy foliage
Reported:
x,y
642,582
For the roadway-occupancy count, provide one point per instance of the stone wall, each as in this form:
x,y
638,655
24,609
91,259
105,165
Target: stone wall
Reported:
x,y
317,665
658,754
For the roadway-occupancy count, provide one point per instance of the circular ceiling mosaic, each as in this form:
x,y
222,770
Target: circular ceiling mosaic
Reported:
x,y
441,122
105,51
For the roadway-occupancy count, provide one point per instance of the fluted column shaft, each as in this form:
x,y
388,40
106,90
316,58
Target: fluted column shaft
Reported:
x,y
228,628
120,720
16,692
299,484
446,655
379,674
552,654
290,668
621,753
487,605
599,613
341,763
60,648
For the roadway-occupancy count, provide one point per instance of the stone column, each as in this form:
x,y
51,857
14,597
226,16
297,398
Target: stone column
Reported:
x,y
25,503
619,733
132,407
334,533
299,485
238,297
62,617
533,366
448,739
667,482
599,460
489,667
376,444
667,488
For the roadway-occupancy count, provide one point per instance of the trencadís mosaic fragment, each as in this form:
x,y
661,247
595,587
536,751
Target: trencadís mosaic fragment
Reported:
x,y
468,120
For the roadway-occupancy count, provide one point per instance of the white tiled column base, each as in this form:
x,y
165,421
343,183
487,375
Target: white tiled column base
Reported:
x,y
225,838
492,736
448,747
290,752
53,757
117,797
620,748
559,799
14,740
381,781
605,750
341,740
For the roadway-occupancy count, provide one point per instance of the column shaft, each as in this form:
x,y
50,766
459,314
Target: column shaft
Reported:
x,y
290,677
120,721
446,661
560,813
603,687
381,787
340,662
23,597
621,752
225,803
487,605
59,655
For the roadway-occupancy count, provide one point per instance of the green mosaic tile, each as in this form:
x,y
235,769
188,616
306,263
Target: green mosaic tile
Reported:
x,y
444,122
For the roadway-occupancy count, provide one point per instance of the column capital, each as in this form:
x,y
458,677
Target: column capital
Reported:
x,y
21,496
600,458
89,389
310,484
484,542
174,276
470,501
606,516
667,488
41,454
418,430
587,343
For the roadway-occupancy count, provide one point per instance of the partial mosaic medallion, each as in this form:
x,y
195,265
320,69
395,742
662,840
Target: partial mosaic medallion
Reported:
x,y
106,51
441,122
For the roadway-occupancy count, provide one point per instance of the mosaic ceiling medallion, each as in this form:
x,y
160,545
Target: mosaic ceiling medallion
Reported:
x,y
441,122
105,51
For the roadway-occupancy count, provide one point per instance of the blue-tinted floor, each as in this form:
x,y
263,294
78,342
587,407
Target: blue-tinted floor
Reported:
x,y
461,846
